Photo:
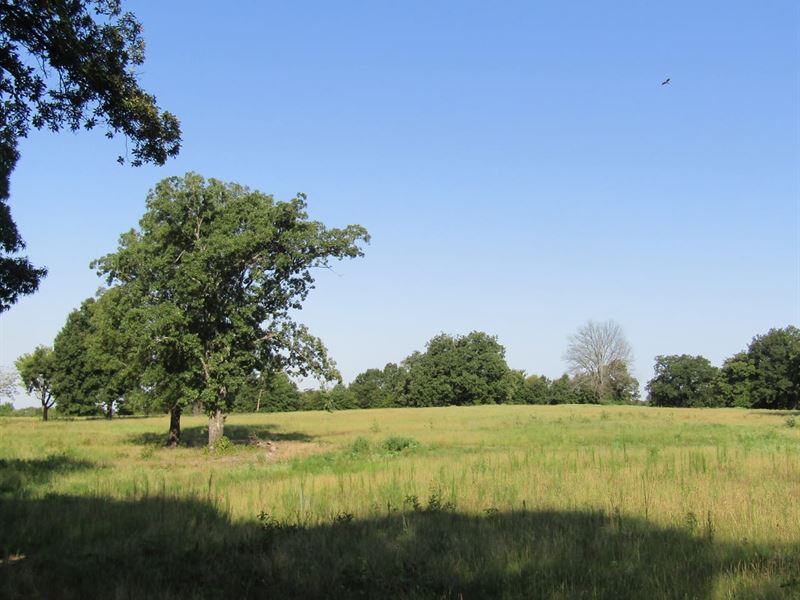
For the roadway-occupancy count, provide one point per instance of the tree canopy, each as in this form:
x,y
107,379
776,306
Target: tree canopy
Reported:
x,y
775,377
36,371
217,270
457,370
269,392
686,381
93,363
70,64
75,378
766,375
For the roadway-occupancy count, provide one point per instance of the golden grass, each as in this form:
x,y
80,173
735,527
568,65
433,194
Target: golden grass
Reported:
x,y
731,477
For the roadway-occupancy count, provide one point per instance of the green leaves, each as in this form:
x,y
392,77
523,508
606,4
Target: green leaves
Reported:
x,y
767,375
218,270
775,357
688,381
85,53
36,372
459,370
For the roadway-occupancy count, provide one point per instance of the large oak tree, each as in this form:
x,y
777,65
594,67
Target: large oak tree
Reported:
x,y
217,270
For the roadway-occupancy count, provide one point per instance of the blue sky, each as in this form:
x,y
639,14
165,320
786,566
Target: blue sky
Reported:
x,y
518,164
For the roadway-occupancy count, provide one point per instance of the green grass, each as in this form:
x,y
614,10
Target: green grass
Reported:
x,y
479,502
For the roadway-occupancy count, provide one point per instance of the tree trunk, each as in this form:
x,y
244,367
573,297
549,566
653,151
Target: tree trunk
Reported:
x,y
174,426
216,426
258,402
45,408
109,409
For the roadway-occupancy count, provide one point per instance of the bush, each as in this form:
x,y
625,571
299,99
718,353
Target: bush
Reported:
x,y
222,446
397,444
360,446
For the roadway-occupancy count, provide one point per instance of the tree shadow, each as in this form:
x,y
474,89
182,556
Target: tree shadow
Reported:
x,y
18,475
197,436
157,547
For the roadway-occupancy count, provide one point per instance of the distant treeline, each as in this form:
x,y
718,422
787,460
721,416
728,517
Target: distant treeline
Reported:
x,y
471,369
766,375
453,371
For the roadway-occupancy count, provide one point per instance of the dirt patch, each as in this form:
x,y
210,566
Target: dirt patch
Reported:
x,y
268,451
281,451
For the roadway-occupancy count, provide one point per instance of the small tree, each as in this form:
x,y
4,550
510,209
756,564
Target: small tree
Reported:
x,y
562,391
534,389
218,270
376,388
598,355
36,371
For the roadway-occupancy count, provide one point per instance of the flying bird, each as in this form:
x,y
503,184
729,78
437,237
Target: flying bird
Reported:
x,y
665,82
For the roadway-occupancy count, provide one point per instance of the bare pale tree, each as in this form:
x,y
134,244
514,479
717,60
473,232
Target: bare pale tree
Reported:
x,y
598,354
9,380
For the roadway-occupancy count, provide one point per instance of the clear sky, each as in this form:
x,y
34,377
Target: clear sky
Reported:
x,y
518,164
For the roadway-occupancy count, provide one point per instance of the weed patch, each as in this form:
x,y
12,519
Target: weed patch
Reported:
x,y
397,444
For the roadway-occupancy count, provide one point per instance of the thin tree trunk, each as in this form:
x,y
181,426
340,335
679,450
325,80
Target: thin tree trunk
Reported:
x,y
109,409
45,408
258,402
216,427
174,426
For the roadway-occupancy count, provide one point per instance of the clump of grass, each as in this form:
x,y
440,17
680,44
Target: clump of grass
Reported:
x,y
436,503
397,444
147,453
222,446
343,518
790,421
690,521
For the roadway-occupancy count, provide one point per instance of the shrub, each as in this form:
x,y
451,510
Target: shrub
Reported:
x,y
222,446
398,444
360,446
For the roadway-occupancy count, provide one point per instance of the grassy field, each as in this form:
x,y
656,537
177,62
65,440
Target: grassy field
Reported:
x,y
479,502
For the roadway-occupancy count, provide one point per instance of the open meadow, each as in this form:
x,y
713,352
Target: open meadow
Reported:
x,y
473,502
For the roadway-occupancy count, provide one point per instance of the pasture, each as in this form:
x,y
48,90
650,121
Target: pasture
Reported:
x,y
461,502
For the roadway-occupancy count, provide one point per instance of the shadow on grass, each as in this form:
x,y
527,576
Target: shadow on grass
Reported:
x,y
70,547
17,475
197,436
